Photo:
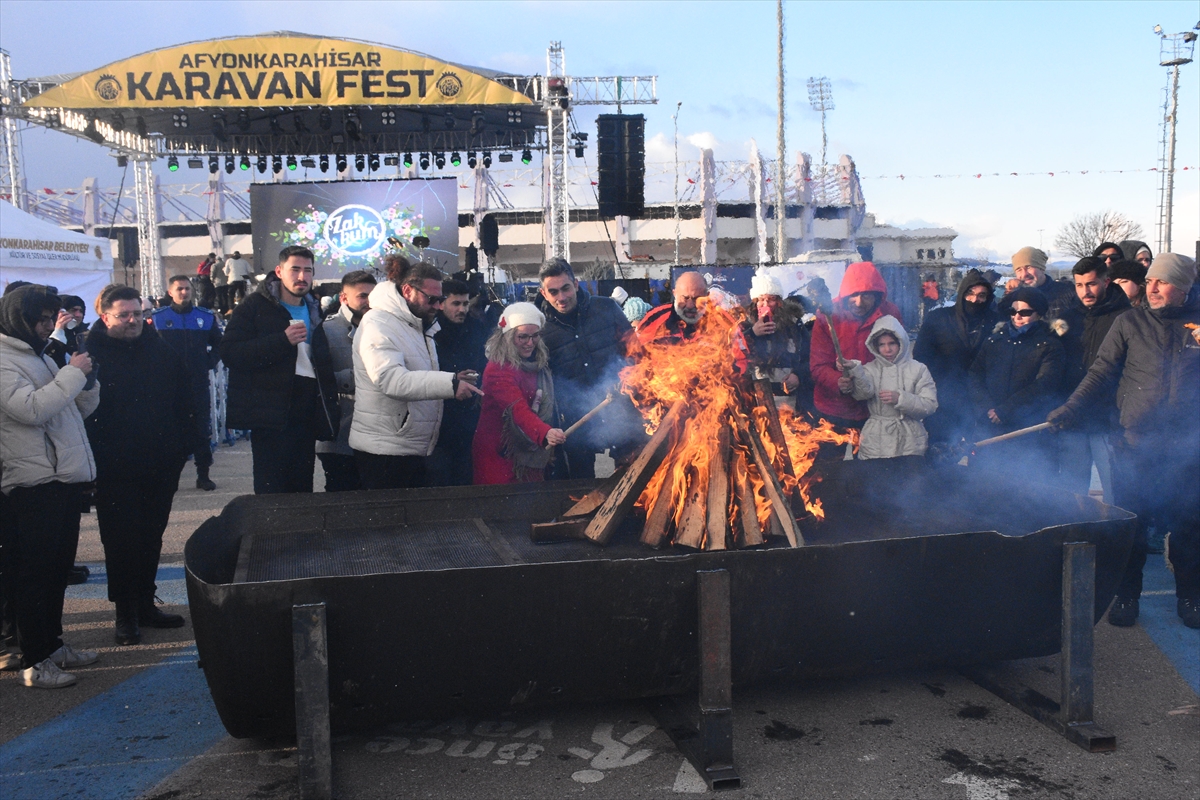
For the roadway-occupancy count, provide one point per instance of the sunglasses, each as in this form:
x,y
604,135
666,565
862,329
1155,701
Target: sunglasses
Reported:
x,y
1108,257
434,299
1024,312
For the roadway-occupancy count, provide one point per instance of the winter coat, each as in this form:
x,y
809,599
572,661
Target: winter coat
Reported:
x,y
1020,377
947,343
852,335
1155,363
1081,342
1061,296
504,387
142,425
664,325
262,364
42,436
195,334
339,335
784,352
237,269
587,349
398,387
460,347
893,430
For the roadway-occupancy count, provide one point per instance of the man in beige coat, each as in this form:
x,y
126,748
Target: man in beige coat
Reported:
x,y
47,460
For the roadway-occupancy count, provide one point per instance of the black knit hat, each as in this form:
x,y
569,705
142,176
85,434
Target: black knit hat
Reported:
x,y
1127,270
1026,294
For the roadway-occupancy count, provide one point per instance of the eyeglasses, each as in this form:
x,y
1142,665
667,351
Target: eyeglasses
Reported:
x,y
1024,312
434,299
1109,257
128,316
528,338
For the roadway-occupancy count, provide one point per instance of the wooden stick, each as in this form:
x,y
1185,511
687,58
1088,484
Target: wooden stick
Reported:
x,y
588,416
783,511
618,504
658,518
747,507
593,499
766,399
718,493
692,522
1015,434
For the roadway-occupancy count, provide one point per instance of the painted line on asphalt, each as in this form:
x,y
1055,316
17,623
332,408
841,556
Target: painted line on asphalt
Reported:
x,y
133,736
1161,621
172,586
151,761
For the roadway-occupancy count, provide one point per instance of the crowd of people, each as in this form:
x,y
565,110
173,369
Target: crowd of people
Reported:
x,y
416,379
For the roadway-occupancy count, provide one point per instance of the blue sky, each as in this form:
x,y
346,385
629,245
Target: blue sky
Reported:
x,y
921,89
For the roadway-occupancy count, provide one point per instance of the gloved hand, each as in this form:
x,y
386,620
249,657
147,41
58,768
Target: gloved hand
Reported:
x,y
1062,417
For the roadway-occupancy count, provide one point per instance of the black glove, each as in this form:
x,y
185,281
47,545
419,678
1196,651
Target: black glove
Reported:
x,y
1062,417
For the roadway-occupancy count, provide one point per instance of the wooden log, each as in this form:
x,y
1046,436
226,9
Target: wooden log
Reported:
x,y
747,507
596,497
560,530
693,522
779,504
658,519
618,504
766,398
718,493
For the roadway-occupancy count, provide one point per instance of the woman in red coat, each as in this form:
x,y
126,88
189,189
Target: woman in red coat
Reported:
x,y
515,437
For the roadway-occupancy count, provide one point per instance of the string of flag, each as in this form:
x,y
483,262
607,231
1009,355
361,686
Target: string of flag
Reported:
x,y
903,177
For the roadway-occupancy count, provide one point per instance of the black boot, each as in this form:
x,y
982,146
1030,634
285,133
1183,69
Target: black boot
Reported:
x,y
152,616
202,480
127,624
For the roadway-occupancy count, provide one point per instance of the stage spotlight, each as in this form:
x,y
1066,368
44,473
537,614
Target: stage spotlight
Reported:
x,y
218,122
291,163
526,156
276,164
579,151
476,123
440,160
424,161
373,162
353,126
123,162
229,165
324,161
505,158
360,163
262,164
342,164
276,127
243,121
514,116
487,160
471,160
450,121
325,120
140,124
455,158
308,163
195,163
118,121
298,123
179,119
387,117
173,164
214,164
408,160
391,161
245,163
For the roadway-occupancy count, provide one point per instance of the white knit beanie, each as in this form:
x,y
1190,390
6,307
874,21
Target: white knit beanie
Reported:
x,y
620,295
763,284
522,314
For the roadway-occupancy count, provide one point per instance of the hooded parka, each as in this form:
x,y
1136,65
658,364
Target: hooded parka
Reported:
x,y
893,430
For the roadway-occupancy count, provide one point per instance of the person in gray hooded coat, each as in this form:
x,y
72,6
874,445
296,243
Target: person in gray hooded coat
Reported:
x,y
899,392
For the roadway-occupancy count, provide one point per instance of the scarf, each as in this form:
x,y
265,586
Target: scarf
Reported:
x,y
516,446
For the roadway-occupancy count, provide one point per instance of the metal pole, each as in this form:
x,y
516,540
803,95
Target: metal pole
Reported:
x,y
781,153
149,246
13,184
676,121
1168,201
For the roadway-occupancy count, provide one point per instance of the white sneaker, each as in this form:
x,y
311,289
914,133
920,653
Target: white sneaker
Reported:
x,y
46,675
68,657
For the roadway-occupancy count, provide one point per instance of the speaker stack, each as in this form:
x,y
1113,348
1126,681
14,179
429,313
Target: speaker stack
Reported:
x,y
621,149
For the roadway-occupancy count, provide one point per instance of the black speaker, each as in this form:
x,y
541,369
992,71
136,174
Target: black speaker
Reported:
x,y
621,150
489,235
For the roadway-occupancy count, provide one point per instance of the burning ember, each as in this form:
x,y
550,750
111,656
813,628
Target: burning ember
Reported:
x,y
710,489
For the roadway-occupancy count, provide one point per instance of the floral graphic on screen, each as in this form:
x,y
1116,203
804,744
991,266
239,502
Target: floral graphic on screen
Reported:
x,y
351,232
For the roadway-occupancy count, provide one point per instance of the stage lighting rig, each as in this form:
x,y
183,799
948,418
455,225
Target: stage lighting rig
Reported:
x,y
408,160
450,121
243,121
298,123
387,117
360,163
391,161
325,119
341,162
324,161
179,119
195,163
487,160
308,163
291,163
173,164
245,163
476,123
262,164
505,158
276,164
139,124
526,157
276,127
514,116
424,161
218,126
229,167
118,122
472,160
440,160
123,162
455,158
373,162
353,126
214,164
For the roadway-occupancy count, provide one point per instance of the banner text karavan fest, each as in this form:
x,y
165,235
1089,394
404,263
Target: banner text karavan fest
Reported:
x,y
277,71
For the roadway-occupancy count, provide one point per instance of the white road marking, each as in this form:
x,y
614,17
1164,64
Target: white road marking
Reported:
x,y
688,781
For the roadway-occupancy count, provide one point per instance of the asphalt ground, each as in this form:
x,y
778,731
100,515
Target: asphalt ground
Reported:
x,y
141,724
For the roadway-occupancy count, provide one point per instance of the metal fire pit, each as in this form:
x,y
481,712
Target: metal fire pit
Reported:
x,y
436,601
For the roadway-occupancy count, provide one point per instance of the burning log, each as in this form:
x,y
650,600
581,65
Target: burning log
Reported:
x,y
718,493
775,493
658,521
747,527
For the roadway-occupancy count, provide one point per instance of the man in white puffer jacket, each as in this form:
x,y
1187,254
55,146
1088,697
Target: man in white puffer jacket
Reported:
x,y
398,389
47,460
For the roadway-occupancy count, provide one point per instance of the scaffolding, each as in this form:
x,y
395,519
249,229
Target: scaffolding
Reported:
x,y
12,184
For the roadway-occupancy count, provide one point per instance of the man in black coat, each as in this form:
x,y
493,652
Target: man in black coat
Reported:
x,y
1098,303
947,343
281,382
1029,265
1152,357
460,339
587,339
140,436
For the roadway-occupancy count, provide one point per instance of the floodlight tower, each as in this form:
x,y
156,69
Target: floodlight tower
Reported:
x,y
1175,50
820,97
11,182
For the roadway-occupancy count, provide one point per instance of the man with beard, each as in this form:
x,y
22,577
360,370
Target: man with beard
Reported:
x,y
1152,355
281,385
948,342
677,321
461,338
777,344
1100,302
1029,265
337,459
141,434
194,334
399,386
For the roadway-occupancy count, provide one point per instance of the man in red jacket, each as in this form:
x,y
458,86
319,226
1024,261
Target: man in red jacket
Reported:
x,y
861,301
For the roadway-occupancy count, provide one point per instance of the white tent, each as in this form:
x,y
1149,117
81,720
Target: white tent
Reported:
x,y
37,251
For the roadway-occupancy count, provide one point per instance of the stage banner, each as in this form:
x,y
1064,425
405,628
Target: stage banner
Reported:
x,y
277,71
350,225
